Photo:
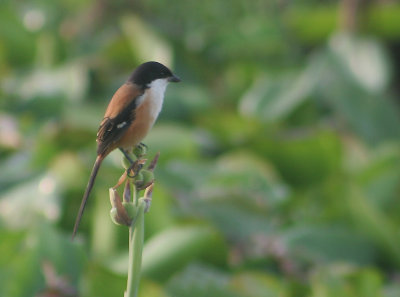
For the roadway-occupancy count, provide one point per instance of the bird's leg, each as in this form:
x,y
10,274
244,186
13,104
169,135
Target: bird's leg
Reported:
x,y
143,145
127,156
135,167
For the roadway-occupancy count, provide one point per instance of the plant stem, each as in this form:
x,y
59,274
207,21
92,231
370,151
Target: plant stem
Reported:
x,y
136,237
136,222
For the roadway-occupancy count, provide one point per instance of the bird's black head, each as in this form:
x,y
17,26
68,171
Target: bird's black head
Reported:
x,y
150,71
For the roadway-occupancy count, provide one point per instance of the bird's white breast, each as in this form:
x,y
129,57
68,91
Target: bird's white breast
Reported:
x,y
154,96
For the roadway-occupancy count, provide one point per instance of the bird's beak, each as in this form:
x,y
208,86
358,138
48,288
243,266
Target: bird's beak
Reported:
x,y
174,78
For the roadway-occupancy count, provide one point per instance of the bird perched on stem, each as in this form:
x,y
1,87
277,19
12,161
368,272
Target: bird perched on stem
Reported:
x,y
131,113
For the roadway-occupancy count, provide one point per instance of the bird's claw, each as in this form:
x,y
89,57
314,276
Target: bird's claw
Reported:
x,y
135,168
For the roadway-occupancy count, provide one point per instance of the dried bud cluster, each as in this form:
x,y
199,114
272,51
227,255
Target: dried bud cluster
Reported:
x,y
136,179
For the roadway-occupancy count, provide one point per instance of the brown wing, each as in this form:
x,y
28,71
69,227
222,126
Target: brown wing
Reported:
x,y
119,116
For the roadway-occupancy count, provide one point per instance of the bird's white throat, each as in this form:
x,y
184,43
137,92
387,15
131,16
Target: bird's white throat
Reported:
x,y
155,95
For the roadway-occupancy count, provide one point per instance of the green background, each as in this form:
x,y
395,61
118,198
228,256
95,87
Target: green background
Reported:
x,y
279,172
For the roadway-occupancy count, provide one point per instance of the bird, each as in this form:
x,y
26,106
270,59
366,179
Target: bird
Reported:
x,y
130,115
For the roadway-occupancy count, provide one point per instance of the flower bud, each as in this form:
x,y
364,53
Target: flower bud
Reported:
x,y
139,178
131,209
114,216
147,197
140,150
147,176
118,213
146,202
127,191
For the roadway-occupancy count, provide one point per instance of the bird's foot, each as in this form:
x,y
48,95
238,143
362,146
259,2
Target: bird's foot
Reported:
x,y
135,168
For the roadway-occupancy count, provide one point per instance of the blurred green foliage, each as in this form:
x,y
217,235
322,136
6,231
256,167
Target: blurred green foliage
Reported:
x,y
280,150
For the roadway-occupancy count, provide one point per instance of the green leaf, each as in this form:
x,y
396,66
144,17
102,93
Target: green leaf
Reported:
x,y
322,244
25,254
273,99
145,42
345,280
201,281
172,249
375,225
362,58
175,247
369,113
256,284
21,206
101,282
173,141
304,157
379,176
238,173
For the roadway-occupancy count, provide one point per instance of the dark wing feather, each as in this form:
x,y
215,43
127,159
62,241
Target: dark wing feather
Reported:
x,y
112,129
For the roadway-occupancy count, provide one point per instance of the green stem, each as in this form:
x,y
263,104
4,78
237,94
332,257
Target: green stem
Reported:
x,y
136,237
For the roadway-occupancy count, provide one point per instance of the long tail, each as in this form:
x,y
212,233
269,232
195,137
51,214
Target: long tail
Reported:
x,y
89,187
